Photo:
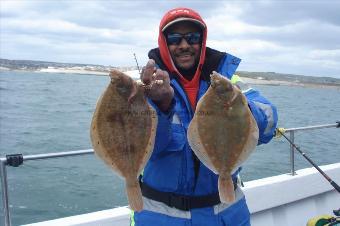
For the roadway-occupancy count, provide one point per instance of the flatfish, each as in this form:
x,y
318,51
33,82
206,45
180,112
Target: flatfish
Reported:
x,y
223,132
123,132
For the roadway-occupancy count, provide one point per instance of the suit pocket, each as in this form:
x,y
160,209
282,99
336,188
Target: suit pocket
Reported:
x,y
237,214
178,138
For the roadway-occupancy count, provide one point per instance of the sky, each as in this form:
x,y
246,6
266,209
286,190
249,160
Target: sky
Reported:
x,y
297,37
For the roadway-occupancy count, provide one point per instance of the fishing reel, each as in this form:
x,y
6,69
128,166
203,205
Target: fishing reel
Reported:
x,y
326,220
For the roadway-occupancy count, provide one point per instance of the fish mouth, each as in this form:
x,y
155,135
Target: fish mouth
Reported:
x,y
214,79
114,76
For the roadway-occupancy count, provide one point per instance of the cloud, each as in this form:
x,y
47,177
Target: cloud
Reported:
x,y
283,36
279,13
277,36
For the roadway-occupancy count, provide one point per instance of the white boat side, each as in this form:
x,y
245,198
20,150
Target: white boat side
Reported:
x,y
278,200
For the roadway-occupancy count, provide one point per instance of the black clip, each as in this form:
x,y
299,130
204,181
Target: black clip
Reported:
x,y
14,160
179,202
338,126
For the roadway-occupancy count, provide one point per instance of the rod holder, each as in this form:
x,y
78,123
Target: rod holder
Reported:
x,y
14,160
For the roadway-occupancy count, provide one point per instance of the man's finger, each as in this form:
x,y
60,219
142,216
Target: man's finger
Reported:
x,y
162,75
148,71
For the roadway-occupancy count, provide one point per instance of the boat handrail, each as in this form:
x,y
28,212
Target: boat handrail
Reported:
x,y
16,160
45,156
337,124
292,139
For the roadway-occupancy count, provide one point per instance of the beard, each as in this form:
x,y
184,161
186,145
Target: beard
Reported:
x,y
187,67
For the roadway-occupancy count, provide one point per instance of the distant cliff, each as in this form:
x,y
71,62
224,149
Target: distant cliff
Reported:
x,y
30,65
291,78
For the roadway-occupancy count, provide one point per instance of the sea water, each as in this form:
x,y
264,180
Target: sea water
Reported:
x,y
51,112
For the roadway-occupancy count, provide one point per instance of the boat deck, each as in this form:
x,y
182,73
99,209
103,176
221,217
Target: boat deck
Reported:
x,y
280,200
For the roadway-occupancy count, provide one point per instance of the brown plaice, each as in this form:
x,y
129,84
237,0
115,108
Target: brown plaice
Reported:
x,y
123,131
223,132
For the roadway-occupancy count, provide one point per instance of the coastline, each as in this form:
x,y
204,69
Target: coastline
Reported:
x,y
253,81
132,73
135,75
72,71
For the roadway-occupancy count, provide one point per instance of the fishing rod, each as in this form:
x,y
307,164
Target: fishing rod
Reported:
x,y
158,82
335,185
134,54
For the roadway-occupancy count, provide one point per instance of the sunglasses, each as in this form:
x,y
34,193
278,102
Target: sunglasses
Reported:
x,y
191,38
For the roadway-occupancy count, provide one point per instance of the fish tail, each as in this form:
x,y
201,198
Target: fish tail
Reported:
x,y
134,195
226,189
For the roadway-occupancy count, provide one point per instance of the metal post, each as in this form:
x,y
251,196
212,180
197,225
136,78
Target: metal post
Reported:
x,y
292,159
4,186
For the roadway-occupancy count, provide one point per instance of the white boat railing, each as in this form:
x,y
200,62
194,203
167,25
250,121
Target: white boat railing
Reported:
x,y
16,160
292,138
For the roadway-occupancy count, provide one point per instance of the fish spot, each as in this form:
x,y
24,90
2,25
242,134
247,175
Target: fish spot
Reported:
x,y
115,118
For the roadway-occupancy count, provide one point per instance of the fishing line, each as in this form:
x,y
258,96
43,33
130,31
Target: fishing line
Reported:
x,y
335,185
149,86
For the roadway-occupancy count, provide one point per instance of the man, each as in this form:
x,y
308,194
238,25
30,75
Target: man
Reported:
x,y
177,188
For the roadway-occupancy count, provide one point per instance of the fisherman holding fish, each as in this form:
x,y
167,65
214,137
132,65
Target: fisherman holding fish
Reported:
x,y
179,187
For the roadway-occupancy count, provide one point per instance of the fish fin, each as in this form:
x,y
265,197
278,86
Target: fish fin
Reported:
x,y
226,190
252,140
134,195
151,141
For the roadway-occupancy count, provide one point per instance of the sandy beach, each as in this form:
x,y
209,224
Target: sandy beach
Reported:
x,y
72,71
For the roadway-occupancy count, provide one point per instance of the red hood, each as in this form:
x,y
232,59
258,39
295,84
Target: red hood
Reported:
x,y
169,17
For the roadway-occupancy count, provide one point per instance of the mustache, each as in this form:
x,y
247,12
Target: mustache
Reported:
x,y
184,52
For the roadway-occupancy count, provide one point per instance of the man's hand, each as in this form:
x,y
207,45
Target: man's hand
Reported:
x,y
161,93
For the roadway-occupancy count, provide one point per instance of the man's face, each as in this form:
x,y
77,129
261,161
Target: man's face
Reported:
x,y
184,55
